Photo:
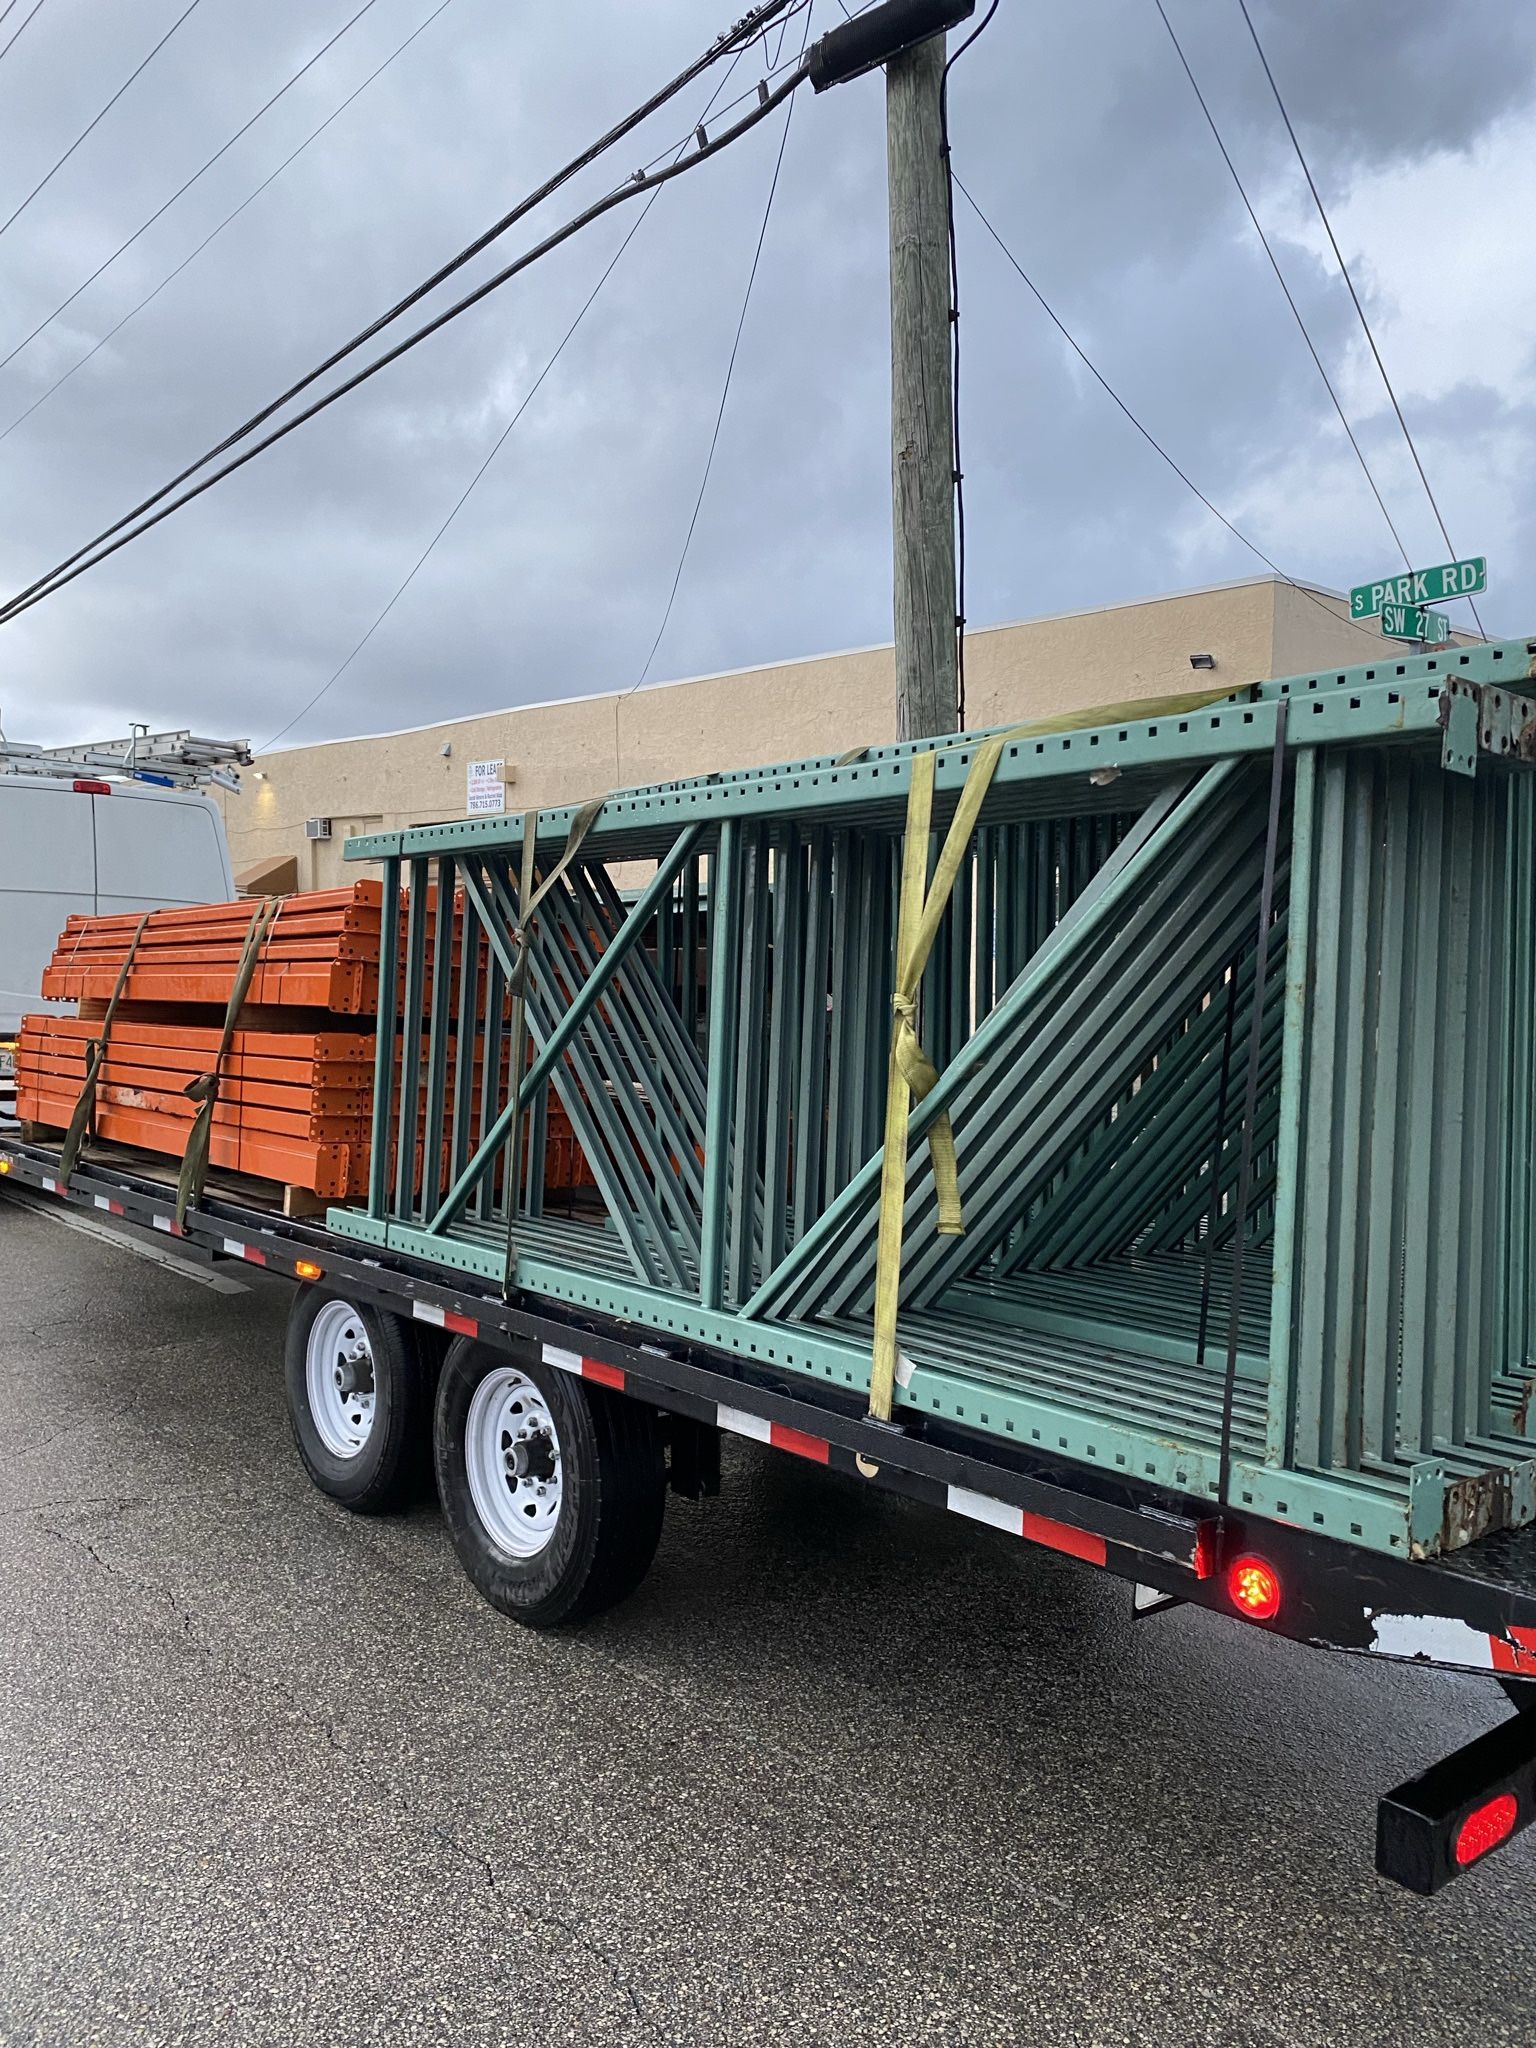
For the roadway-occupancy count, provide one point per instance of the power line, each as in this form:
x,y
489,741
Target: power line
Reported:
x,y
954,359
133,311
745,31
84,558
25,25
204,167
500,441
1338,253
725,392
111,103
463,496
1145,432
1280,280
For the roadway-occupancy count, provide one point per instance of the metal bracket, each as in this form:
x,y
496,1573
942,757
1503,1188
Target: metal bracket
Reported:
x,y
1151,1600
1460,719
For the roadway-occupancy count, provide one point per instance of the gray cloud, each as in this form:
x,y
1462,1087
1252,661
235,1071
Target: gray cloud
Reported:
x,y
1074,128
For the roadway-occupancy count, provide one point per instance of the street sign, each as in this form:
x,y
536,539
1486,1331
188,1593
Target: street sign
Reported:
x,y
1421,586
1414,622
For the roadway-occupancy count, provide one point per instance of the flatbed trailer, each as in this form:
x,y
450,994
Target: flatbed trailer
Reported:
x,y
635,1415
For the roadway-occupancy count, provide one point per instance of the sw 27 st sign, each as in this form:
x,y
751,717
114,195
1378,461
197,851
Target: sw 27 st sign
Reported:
x,y
1413,622
1421,586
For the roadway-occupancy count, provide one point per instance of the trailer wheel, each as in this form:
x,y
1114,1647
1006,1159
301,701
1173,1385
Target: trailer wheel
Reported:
x,y
358,1401
552,1489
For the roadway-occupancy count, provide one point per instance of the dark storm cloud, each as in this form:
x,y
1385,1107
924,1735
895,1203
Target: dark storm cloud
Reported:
x,y
1073,126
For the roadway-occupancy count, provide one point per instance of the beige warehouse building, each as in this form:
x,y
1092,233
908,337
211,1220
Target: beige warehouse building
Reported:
x,y
289,824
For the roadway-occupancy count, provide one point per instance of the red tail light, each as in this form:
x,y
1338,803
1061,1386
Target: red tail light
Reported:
x,y
84,788
1254,1588
1485,1827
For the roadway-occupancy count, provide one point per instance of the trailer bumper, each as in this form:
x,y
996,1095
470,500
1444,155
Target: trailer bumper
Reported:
x,y
1459,1811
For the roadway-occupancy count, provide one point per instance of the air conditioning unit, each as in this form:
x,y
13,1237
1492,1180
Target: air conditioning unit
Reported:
x,y
317,828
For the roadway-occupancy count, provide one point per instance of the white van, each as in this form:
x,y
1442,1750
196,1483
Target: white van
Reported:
x,y
95,846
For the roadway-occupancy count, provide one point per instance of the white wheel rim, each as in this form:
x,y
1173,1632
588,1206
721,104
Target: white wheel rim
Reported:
x,y
338,1377
512,1457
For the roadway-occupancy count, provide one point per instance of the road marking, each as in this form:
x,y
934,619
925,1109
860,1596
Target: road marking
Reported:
x,y
172,1261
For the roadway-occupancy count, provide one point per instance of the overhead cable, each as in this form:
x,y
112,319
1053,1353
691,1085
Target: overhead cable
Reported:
x,y
500,441
111,103
463,497
104,545
118,325
21,28
1274,265
206,165
1145,432
1338,253
954,357
744,31
725,392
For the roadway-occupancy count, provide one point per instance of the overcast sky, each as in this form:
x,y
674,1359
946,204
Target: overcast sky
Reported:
x,y
1073,127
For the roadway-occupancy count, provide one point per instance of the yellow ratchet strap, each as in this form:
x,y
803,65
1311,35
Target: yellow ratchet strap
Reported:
x,y
920,911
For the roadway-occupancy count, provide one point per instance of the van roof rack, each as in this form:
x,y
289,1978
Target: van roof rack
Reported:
x,y
171,760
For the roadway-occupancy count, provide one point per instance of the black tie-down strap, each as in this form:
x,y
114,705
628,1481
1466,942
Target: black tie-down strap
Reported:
x,y
83,1122
204,1090
1251,1095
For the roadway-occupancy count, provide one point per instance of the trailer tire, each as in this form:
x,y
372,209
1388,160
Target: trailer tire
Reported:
x,y
552,1489
359,1401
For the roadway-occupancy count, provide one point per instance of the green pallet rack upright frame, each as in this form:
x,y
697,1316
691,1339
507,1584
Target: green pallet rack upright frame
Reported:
x,y
1231,1007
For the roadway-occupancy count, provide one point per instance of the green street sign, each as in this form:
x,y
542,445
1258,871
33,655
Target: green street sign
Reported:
x,y
1414,622
1421,586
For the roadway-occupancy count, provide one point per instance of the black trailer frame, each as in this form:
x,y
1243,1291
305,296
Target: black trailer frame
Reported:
x,y
1472,1610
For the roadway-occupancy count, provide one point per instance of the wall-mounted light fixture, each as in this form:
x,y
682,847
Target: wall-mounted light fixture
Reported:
x,y
1202,661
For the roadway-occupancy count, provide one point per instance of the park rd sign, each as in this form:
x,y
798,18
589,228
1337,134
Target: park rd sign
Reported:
x,y
1420,586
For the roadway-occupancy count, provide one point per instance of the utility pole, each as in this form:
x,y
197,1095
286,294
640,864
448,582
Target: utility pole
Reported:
x,y
908,38
922,397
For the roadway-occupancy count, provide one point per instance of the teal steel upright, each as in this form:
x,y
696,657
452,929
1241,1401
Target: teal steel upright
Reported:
x,y
709,999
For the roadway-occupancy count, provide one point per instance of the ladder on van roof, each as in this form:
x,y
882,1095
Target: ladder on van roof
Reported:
x,y
172,760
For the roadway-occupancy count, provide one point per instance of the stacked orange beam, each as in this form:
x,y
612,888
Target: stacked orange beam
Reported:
x,y
293,1106
322,953
295,1087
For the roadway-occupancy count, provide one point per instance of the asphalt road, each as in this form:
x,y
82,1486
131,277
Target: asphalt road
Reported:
x,y
843,1771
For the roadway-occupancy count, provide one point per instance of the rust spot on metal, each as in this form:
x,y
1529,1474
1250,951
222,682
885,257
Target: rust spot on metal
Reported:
x,y
1522,1415
1474,1505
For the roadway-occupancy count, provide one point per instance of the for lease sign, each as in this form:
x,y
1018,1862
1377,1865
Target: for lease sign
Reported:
x,y
487,791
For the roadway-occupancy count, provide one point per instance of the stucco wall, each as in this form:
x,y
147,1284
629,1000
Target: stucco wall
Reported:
x,y
562,752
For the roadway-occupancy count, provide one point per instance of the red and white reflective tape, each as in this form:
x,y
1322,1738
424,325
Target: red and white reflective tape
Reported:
x,y
169,1225
999,1514
237,1250
444,1319
51,1186
798,1441
585,1368
105,1202
1445,1639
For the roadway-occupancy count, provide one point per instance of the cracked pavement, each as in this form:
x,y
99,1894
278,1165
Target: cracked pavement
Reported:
x,y
841,1769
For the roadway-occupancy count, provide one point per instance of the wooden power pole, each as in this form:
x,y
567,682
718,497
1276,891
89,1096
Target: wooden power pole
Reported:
x,y
922,397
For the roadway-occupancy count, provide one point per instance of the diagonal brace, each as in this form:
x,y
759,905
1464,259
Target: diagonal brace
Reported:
x,y
582,1004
